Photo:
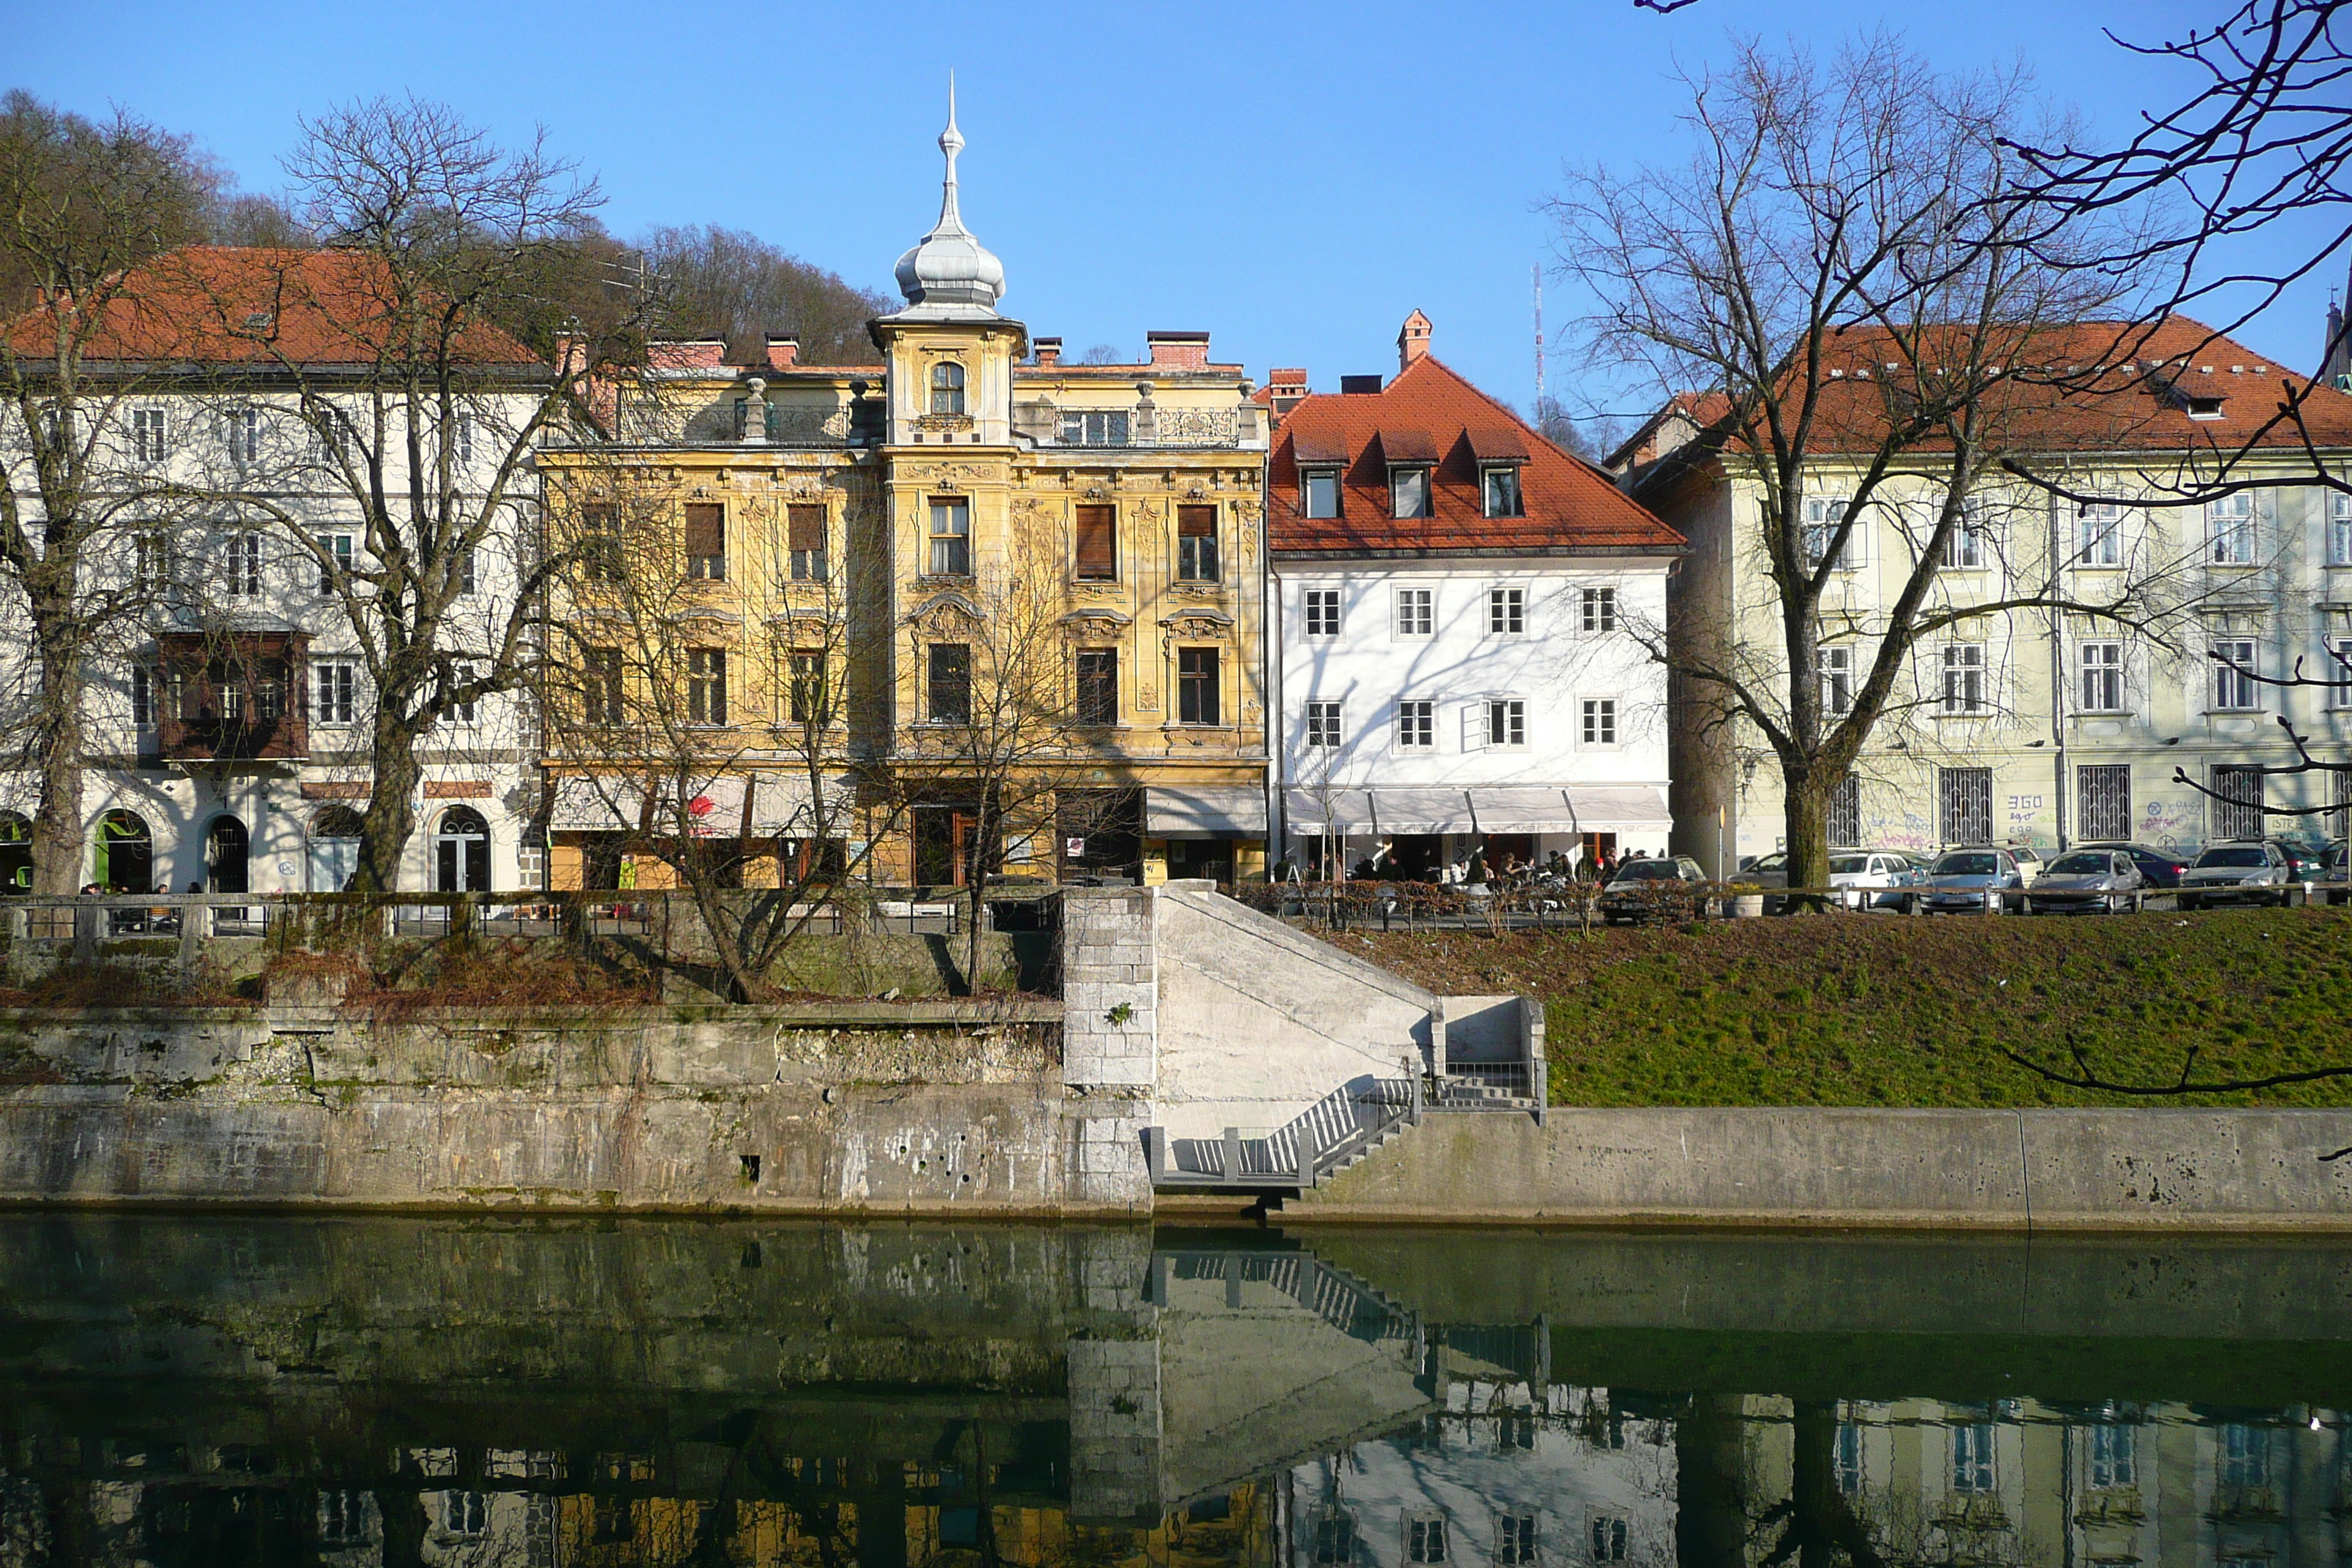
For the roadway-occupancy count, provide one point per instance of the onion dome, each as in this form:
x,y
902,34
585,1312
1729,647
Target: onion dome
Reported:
x,y
950,273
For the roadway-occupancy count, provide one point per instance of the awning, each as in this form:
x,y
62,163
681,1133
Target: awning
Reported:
x,y
1381,810
1326,811
1210,811
781,805
1571,809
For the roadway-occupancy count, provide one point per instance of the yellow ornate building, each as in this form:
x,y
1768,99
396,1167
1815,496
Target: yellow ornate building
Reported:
x,y
1011,606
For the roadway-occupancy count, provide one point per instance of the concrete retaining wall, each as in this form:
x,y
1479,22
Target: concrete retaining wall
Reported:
x,y
2035,1169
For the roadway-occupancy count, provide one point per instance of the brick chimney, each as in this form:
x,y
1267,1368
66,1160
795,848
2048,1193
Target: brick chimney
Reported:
x,y
1177,350
1284,390
1049,350
1412,343
784,350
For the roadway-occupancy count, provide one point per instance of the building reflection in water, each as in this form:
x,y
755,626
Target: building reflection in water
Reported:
x,y
384,1393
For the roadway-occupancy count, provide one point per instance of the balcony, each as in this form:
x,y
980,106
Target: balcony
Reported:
x,y
234,697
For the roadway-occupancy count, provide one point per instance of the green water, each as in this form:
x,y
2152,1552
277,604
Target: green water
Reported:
x,y
396,1392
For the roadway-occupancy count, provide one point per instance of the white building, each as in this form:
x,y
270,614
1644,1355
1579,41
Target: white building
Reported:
x,y
228,707
1461,610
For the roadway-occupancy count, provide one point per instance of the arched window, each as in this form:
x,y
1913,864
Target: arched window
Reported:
x,y
334,848
227,852
16,853
461,852
124,853
946,388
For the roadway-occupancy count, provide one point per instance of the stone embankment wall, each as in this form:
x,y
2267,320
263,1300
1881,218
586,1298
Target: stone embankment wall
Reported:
x,y
2216,1170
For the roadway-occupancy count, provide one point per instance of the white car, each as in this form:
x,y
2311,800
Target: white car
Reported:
x,y
1873,878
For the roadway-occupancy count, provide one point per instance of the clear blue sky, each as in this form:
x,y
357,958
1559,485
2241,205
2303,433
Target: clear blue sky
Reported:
x,y
1294,177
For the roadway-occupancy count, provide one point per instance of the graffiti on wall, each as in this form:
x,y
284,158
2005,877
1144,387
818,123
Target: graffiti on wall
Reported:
x,y
2167,823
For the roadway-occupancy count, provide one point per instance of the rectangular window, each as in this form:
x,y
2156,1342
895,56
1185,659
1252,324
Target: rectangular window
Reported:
x,y
1425,1540
950,683
804,537
2233,675
1599,609
2114,1462
1322,611
1502,492
602,685
1416,612
2244,1460
1409,492
242,563
808,697
706,541
2103,805
2339,529
1964,678
1196,544
142,695
338,550
2230,530
466,571
2237,802
462,712
1836,665
1098,685
464,438
1600,720
241,427
2102,534
599,543
1817,528
1846,813
1097,543
1609,1535
333,681
1334,1542
1505,720
1964,804
1095,428
151,561
1416,723
1197,690
1515,1541
464,1513
149,435
1322,725
1972,1457
951,537
1845,1457
2103,677
2335,669
1319,492
1507,611
705,686
1964,549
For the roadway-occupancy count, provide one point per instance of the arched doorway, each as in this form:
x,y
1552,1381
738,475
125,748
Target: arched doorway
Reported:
x,y
16,854
461,852
124,853
224,856
334,849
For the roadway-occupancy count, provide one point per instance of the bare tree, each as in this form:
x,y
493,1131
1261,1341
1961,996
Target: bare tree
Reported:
x,y
725,283
82,206
445,339
1003,734
730,763
1841,276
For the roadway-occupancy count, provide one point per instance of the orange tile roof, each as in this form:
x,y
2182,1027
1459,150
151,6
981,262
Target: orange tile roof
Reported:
x,y
1570,505
204,304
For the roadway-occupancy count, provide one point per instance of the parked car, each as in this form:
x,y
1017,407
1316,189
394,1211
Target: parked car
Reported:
x,y
1646,888
2157,867
1873,878
2029,862
2082,880
1769,872
2239,871
2304,862
1957,880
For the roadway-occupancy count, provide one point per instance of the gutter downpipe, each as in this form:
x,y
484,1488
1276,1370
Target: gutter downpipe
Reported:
x,y
2058,674
1270,645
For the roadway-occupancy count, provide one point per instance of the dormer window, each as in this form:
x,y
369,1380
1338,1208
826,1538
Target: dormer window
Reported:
x,y
1319,492
2202,408
1501,490
1409,492
1102,427
946,388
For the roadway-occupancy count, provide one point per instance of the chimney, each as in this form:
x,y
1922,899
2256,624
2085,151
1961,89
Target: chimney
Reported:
x,y
1049,351
1412,343
784,350
1284,390
1177,350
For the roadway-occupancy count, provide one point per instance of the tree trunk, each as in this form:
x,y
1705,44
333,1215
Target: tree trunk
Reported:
x,y
1805,820
56,747
391,817
1711,1483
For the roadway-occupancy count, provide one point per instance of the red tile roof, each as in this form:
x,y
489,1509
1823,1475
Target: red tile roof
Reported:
x,y
1570,505
236,305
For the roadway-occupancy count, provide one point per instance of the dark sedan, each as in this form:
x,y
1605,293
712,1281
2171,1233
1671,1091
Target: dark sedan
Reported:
x,y
2157,867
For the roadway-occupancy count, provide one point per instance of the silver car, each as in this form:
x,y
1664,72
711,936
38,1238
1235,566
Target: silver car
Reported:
x,y
1873,879
1958,880
2087,880
2245,871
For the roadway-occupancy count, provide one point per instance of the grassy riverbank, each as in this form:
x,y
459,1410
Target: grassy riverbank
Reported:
x,y
1878,1010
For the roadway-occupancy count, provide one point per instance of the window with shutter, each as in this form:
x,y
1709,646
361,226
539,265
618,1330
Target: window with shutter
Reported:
x,y
804,537
1097,545
1196,544
705,541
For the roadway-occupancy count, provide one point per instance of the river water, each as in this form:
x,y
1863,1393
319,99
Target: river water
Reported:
x,y
393,1391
